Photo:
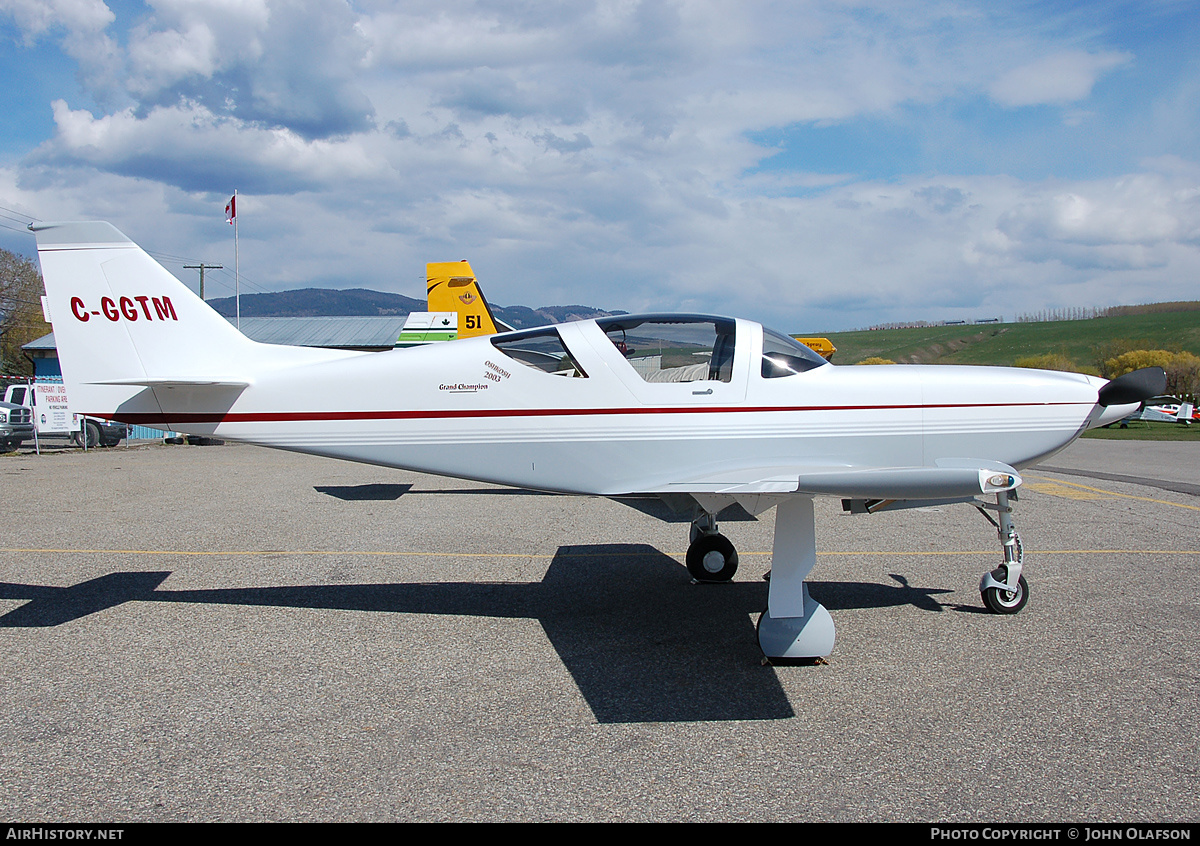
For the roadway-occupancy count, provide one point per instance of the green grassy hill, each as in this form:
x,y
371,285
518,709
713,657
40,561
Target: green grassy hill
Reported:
x,y
1002,344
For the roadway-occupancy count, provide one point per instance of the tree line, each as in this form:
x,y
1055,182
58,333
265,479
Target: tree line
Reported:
x,y
1048,315
1124,355
20,312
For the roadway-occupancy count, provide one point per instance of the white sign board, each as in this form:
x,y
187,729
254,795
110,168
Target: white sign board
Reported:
x,y
51,412
48,400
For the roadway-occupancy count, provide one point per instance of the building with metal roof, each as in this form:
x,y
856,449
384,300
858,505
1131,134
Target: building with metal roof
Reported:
x,y
368,334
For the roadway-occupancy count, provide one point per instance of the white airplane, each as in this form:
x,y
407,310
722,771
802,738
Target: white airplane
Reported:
x,y
702,411
1164,410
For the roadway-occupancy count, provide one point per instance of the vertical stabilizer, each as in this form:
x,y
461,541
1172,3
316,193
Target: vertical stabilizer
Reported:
x,y
452,286
122,321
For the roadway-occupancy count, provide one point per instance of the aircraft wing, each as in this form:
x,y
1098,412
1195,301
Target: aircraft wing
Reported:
x,y
949,478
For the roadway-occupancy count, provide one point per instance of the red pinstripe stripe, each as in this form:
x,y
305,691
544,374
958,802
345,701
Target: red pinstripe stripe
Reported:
x,y
150,419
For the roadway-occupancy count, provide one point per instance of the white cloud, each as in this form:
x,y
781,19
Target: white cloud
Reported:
x,y
80,26
1057,79
36,17
281,63
190,147
1143,209
599,152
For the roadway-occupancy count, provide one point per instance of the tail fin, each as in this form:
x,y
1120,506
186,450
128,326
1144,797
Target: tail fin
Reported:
x,y
452,286
123,323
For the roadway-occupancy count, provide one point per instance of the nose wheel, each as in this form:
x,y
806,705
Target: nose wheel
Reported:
x,y
1000,597
1004,590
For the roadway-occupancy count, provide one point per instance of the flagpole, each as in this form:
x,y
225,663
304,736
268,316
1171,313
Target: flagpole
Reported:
x,y
237,283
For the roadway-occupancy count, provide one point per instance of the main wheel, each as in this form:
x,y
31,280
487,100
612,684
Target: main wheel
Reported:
x,y
1000,601
712,558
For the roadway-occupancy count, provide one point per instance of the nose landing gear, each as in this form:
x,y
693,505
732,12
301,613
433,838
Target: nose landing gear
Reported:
x,y
1004,590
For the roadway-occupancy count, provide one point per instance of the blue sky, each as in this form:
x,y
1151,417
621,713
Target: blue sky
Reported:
x,y
816,165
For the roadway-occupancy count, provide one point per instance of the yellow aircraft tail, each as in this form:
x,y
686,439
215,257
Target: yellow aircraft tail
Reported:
x,y
452,286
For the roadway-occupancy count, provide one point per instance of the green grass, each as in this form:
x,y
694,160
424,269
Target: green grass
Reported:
x,y
1004,343
1146,431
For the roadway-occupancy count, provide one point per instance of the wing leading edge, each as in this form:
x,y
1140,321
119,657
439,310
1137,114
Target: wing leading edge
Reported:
x,y
948,479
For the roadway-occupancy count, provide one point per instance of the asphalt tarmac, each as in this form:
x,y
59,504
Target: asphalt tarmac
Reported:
x,y
227,633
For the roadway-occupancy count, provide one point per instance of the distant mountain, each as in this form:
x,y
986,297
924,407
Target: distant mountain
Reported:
x,y
319,302
523,317
360,302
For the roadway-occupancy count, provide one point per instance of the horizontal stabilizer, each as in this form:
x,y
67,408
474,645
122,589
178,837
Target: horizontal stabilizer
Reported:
x,y
177,383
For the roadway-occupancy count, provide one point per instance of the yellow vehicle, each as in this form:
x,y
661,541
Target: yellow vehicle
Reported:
x,y
822,346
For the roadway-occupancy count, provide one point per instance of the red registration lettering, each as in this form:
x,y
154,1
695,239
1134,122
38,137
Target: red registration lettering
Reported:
x,y
127,307
163,308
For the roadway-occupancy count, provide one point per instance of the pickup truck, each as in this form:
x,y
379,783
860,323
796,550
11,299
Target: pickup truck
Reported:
x,y
51,414
16,425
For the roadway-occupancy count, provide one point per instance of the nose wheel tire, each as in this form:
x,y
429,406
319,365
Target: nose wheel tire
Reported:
x,y
712,558
1001,601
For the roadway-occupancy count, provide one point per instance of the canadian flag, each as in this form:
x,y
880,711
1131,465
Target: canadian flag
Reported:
x,y
231,210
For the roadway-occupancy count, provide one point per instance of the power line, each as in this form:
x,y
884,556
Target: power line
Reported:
x,y
20,214
23,230
201,267
18,219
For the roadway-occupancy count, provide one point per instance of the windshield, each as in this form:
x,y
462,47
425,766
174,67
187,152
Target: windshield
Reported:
x,y
785,356
541,349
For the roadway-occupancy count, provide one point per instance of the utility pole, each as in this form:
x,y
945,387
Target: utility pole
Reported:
x,y
201,267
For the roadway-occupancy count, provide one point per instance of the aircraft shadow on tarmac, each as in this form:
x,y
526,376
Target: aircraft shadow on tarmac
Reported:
x,y
642,644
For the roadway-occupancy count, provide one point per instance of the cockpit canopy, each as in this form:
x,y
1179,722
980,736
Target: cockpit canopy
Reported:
x,y
675,348
664,348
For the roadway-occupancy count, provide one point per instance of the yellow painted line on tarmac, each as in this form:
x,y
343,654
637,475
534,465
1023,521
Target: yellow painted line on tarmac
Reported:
x,y
1060,490
411,554
233,553
1050,487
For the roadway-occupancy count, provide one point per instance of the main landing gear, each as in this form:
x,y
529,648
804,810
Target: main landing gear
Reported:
x,y
710,557
1004,590
793,625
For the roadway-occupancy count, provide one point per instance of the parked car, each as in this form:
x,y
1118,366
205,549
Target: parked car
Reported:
x,y
105,433
16,425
